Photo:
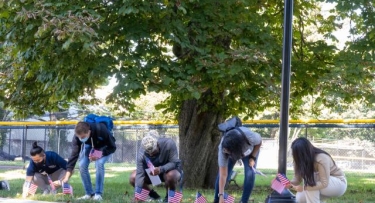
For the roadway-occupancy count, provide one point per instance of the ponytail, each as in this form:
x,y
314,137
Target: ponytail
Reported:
x,y
35,149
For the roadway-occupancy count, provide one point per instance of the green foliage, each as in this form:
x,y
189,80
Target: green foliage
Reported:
x,y
226,55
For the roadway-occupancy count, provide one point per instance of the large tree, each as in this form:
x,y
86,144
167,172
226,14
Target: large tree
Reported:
x,y
214,58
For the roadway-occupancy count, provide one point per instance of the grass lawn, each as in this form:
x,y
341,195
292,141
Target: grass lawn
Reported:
x,y
360,186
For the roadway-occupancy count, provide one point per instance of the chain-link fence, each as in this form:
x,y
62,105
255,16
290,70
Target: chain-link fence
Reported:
x,y
352,147
18,140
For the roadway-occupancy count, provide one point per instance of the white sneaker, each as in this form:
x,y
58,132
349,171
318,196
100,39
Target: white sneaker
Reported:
x,y
84,197
97,197
46,192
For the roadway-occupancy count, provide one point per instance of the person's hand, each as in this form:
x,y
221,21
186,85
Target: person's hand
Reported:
x,y
25,192
297,188
93,158
57,183
156,171
64,180
134,200
288,186
251,163
221,199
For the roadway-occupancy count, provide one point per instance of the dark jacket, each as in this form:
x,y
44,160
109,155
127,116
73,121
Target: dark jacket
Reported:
x,y
52,163
167,159
102,139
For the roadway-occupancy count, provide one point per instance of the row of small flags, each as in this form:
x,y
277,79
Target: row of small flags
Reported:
x,y
199,198
66,188
279,183
176,197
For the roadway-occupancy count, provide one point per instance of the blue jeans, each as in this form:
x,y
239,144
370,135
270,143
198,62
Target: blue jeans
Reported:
x,y
248,182
85,175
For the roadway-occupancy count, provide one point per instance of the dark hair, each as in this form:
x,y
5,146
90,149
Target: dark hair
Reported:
x,y
304,157
35,149
82,127
234,142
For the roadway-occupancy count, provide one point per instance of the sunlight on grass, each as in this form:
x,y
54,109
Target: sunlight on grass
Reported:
x,y
121,169
13,174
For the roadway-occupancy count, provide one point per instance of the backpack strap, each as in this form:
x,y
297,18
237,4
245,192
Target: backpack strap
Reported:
x,y
243,134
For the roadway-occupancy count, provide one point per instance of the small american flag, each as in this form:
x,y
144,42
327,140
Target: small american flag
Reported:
x,y
67,189
200,198
228,198
277,186
283,179
141,194
174,197
32,188
53,188
150,165
96,153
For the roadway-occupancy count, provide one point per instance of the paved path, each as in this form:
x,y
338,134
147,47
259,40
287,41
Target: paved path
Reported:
x,y
6,200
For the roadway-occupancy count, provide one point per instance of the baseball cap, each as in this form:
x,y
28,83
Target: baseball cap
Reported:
x,y
149,143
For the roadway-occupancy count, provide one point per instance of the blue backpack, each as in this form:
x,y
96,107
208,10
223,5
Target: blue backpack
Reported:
x,y
93,118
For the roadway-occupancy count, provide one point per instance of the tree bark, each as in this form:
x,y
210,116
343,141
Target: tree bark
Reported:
x,y
199,138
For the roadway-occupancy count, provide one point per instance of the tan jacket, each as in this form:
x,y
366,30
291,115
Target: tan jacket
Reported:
x,y
324,167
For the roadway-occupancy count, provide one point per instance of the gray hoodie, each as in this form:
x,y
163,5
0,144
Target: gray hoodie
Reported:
x,y
167,159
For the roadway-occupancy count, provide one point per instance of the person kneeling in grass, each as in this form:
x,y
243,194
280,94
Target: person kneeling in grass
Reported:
x,y
163,155
43,168
321,177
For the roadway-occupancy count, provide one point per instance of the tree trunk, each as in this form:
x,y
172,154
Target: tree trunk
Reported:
x,y
199,138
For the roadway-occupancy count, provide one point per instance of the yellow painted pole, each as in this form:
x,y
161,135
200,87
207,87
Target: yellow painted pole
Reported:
x,y
140,122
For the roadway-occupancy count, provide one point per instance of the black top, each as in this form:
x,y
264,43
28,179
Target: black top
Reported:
x,y
51,163
102,139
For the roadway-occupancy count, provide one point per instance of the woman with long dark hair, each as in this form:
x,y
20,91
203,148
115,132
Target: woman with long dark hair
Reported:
x,y
44,165
238,143
321,177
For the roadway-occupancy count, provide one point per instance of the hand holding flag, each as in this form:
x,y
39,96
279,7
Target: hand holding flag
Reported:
x,y
28,188
277,186
150,165
96,153
53,188
32,189
67,189
279,183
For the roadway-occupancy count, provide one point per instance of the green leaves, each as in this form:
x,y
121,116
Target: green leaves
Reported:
x,y
226,55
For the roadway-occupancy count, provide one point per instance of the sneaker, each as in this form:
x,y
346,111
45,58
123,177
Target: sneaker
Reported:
x,y
97,197
46,192
154,195
85,197
154,200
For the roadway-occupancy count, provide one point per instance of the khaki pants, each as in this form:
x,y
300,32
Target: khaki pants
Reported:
x,y
42,180
336,187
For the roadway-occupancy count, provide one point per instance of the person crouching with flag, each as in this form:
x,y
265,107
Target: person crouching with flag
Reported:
x,y
45,170
318,171
161,157
237,143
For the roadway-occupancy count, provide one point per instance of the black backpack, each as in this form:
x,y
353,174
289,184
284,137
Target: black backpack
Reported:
x,y
230,124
